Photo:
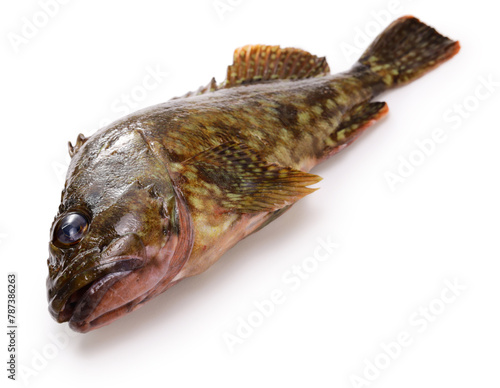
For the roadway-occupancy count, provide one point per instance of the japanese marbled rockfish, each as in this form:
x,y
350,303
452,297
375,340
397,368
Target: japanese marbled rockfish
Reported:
x,y
161,194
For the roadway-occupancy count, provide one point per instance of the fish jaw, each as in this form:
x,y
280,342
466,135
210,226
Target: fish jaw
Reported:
x,y
83,299
114,295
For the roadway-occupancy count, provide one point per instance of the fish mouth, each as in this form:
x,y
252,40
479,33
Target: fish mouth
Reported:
x,y
77,299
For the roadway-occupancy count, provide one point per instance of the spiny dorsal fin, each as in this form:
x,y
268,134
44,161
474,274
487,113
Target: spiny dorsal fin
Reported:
x,y
210,87
246,183
255,63
80,140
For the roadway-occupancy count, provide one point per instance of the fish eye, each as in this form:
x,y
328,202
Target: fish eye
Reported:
x,y
70,229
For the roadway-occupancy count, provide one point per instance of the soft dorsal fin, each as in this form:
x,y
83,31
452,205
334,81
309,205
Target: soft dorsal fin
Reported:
x,y
257,63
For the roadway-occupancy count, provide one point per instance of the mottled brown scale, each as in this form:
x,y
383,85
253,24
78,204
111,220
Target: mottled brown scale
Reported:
x,y
285,118
169,189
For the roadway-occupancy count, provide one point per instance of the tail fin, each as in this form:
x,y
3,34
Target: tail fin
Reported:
x,y
406,50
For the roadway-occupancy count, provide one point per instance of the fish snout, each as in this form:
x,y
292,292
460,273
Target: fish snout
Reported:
x,y
90,285
76,289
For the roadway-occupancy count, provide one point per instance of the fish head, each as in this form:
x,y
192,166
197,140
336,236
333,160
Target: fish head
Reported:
x,y
122,232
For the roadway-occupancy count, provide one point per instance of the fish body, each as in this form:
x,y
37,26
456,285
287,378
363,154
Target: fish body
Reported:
x,y
161,194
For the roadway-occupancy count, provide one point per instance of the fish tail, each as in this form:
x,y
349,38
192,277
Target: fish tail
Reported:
x,y
403,52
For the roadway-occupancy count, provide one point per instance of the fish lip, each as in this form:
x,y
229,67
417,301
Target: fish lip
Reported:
x,y
91,299
68,297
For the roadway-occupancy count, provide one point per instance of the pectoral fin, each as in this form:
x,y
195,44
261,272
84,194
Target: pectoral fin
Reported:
x,y
242,181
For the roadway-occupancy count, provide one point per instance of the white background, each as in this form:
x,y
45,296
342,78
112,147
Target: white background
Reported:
x,y
396,249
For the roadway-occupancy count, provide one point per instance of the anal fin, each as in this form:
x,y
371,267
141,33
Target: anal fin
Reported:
x,y
353,124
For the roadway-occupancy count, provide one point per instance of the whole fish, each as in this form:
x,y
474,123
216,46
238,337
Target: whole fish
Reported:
x,y
161,194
